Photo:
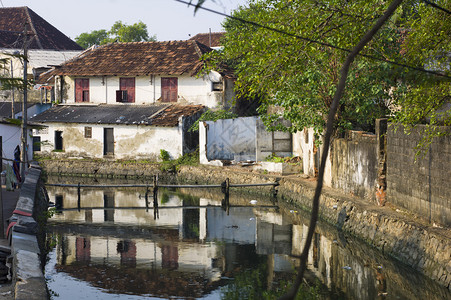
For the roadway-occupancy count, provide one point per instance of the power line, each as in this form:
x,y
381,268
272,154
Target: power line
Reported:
x,y
437,6
314,41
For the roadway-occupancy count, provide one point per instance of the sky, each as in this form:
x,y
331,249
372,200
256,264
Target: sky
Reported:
x,y
167,19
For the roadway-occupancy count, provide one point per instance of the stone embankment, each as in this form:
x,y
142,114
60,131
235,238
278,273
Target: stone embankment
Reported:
x,y
23,233
396,233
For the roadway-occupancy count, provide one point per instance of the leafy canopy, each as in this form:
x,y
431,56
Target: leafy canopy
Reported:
x,y
427,98
299,76
119,32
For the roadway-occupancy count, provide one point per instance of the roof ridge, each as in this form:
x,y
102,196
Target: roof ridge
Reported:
x,y
32,28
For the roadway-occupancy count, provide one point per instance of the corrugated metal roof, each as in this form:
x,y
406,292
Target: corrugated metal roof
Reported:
x,y
46,58
137,59
42,34
153,115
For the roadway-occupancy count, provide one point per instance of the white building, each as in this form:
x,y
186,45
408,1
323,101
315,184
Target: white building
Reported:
x,y
140,73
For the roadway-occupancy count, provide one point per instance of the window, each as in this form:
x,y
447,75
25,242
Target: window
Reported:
x,y
169,89
81,90
121,96
126,92
36,143
58,140
217,86
88,132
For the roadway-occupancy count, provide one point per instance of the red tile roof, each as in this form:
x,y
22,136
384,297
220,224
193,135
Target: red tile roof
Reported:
x,y
212,39
42,33
137,59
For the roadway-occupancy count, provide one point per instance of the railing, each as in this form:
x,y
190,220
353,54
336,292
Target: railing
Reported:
x,y
225,189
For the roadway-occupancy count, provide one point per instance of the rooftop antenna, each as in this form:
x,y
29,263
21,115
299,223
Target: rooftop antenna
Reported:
x,y
209,38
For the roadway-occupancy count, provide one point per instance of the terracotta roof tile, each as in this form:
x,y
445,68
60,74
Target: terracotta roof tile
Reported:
x,y
42,33
170,115
137,59
209,39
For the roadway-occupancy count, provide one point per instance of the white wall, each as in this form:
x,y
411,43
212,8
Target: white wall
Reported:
x,y
303,146
192,90
129,141
11,137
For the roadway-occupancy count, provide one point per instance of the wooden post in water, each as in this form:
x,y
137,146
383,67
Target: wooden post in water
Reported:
x,y
146,198
155,197
225,187
79,197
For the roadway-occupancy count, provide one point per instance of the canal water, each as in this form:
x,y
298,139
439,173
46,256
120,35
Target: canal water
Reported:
x,y
115,244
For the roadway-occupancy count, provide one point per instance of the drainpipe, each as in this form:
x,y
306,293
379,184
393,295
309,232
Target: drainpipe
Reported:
x,y
105,80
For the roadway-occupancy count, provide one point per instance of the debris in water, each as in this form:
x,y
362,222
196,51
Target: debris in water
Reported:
x,y
251,219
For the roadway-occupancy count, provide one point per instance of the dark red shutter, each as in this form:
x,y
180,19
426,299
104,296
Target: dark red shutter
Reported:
x,y
128,84
81,90
169,89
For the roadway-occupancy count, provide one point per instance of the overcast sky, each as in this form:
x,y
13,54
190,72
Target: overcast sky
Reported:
x,y
167,19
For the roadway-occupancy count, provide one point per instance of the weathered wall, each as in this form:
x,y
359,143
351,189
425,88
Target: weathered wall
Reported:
x,y
241,139
102,89
231,139
354,164
272,142
131,142
422,185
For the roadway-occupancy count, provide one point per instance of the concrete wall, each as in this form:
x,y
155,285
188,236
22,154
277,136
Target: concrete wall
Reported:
x,y
11,137
194,90
420,185
131,142
278,143
354,164
241,139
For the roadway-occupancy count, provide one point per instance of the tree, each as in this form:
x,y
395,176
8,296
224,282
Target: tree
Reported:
x,y
95,37
426,44
299,75
296,66
119,32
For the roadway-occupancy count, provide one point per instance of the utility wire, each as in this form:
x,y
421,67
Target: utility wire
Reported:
x,y
437,6
314,41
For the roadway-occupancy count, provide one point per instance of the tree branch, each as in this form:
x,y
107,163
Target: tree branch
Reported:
x,y
330,124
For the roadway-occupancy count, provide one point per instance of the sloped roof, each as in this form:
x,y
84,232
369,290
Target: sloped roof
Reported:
x,y
137,59
42,34
152,115
212,39
5,108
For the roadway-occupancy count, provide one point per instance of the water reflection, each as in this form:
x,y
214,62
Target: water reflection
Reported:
x,y
115,243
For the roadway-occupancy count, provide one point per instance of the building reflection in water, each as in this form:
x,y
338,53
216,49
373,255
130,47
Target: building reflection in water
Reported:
x,y
194,247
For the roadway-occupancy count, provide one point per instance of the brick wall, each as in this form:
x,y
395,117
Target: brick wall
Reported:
x,y
422,186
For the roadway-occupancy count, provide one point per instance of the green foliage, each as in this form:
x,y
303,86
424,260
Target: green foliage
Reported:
x,y
299,77
120,32
426,100
164,155
189,159
95,37
251,284
213,115
6,81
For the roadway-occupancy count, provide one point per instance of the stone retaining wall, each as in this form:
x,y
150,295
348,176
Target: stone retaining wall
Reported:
x,y
28,278
394,232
